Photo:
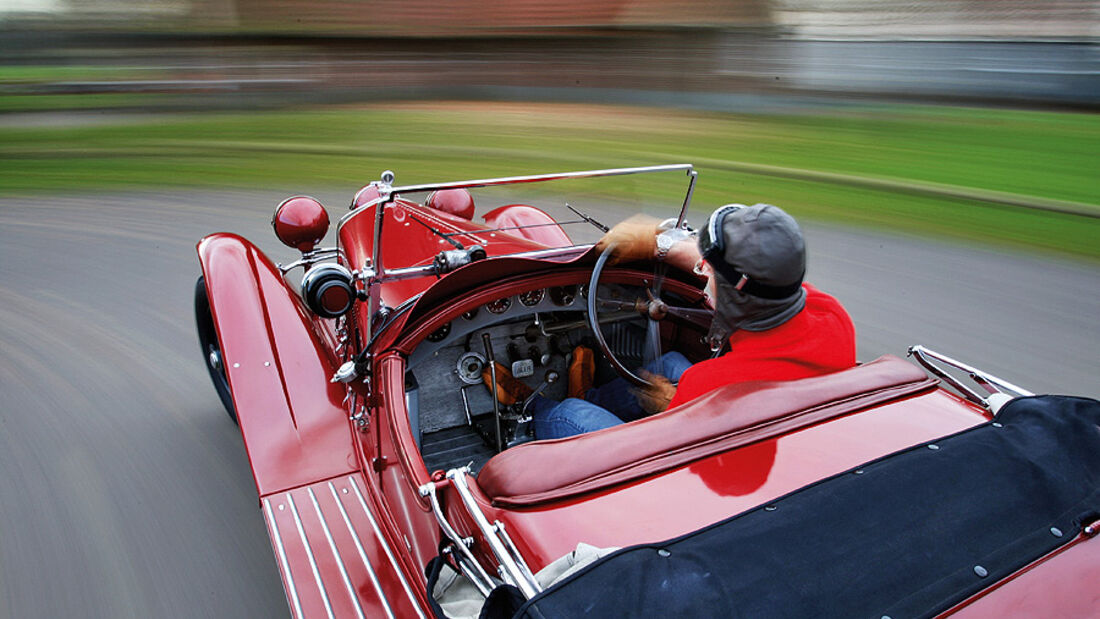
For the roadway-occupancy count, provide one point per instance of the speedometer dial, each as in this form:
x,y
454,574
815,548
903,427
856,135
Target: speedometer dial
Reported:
x,y
499,306
532,298
563,295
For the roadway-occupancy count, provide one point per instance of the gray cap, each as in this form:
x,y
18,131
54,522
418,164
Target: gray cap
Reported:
x,y
765,254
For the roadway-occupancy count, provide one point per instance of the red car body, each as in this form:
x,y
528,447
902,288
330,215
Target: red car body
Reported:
x,y
338,465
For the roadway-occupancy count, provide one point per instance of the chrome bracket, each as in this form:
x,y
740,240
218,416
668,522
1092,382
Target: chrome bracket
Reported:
x,y
361,418
512,567
308,258
998,391
460,546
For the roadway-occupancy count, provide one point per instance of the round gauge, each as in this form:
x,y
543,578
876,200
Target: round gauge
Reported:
x,y
470,314
532,298
563,295
440,334
499,306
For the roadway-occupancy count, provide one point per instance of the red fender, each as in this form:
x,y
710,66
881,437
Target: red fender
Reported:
x,y
292,418
548,232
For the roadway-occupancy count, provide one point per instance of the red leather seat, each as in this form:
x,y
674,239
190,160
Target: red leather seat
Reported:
x,y
724,419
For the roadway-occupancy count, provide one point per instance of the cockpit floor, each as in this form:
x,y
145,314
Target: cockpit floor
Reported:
x,y
454,447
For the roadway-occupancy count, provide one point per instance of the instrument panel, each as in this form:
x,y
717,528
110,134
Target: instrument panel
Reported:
x,y
527,303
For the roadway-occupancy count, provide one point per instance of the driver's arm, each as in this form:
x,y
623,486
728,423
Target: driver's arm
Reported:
x,y
684,254
635,238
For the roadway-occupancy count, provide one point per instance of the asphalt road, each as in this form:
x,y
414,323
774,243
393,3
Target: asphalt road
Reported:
x,y
125,490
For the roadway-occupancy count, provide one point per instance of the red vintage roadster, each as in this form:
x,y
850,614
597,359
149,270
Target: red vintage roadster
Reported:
x,y
394,484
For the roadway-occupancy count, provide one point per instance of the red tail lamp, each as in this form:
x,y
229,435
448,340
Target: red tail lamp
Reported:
x,y
300,222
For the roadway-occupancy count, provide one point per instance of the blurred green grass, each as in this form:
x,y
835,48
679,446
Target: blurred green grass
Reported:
x,y
950,172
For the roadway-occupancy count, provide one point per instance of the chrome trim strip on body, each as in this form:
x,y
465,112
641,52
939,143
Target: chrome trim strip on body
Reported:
x,y
309,555
362,552
339,560
386,548
296,605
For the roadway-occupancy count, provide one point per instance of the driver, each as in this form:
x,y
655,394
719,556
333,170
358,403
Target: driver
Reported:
x,y
778,327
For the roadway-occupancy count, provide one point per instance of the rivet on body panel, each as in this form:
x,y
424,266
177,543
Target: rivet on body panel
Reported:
x,y
981,571
664,553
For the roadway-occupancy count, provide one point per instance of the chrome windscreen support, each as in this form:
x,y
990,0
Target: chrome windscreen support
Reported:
x,y
998,391
692,177
513,568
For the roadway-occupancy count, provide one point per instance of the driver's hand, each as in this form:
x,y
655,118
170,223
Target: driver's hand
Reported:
x,y
634,238
655,396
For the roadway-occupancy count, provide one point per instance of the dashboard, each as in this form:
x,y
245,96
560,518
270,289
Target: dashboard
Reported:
x,y
532,333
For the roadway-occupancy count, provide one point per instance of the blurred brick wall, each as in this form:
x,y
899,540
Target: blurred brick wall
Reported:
x,y
435,17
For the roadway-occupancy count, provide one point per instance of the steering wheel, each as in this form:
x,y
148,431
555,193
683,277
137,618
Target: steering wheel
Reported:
x,y
653,308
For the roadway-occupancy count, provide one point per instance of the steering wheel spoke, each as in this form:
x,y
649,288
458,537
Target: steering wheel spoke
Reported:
x,y
697,316
652,307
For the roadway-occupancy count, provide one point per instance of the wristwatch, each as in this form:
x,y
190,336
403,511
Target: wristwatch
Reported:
x,y
668,238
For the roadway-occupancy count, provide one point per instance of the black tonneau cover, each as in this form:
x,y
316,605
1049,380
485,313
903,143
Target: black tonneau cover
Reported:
x,y
908,535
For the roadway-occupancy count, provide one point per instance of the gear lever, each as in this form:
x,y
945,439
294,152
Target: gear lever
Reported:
x,y
550,379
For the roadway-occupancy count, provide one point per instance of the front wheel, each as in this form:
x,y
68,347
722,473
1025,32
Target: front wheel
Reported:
x,y
211,348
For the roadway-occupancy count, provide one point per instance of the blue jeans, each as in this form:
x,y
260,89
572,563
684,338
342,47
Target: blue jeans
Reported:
x,y
602,407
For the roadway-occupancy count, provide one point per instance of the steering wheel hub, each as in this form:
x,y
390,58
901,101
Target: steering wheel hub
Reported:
x,y
657,310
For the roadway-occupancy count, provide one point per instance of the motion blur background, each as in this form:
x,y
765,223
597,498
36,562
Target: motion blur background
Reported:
x,y
991,103
676,52
942,155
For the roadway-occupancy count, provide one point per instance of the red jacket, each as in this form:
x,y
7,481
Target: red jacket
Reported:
x,y
818,340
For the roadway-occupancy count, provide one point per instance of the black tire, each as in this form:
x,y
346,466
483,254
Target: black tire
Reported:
x,y
211,348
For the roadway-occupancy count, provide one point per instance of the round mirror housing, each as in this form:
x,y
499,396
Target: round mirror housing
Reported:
x,y
300,222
